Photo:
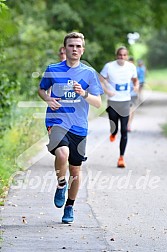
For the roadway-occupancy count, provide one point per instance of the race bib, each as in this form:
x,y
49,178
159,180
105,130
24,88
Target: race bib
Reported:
x,y
121,87
68,94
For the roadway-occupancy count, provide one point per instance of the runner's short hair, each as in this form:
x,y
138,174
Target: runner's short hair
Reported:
x,y
61,50
120,48
74,35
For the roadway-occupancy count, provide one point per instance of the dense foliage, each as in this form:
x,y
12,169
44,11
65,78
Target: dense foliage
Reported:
x,y
42,24
8,84
157,50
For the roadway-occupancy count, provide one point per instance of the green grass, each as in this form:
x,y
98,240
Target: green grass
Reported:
x,y
24,132
156,80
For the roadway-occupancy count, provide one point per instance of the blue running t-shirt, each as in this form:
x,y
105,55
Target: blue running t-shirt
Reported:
x,y
73,113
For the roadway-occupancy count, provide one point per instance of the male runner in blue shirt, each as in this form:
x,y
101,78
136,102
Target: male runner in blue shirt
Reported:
x,y
73,87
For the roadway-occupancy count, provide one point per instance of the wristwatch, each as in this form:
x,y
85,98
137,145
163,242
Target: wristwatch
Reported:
x,y
86,94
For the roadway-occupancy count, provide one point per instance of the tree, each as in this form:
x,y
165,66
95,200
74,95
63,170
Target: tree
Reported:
x,y
107,22
157,50
8,85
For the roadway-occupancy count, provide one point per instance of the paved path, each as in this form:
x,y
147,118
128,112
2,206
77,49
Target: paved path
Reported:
x,y
116,209
131,204
30,221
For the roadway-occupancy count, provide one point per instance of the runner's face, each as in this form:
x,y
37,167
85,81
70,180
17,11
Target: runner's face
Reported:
x,y
74,48
122,56
62,55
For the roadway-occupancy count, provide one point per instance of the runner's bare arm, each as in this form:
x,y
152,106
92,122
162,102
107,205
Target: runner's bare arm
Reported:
x,y
105,86
52,102
135,84
91,99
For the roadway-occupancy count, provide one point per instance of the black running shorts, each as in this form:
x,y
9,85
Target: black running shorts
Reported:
x,y
59,137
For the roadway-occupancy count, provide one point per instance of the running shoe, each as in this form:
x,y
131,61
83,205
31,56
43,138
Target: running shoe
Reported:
x,y
68,216
121,162
112,138
59,198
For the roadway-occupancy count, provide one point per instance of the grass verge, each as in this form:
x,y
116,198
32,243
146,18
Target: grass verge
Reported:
x,y
24,132
156,80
